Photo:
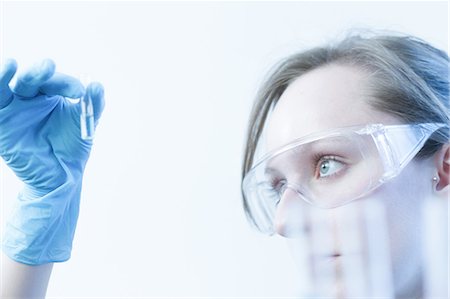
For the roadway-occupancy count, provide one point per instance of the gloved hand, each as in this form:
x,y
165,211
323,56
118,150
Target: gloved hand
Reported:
x,y
40,141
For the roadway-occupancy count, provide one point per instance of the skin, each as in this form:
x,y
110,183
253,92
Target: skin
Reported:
x,y
335,96
23,281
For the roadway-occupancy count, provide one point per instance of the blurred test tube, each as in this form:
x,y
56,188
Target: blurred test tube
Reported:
x,y
380,275
436,249
344,252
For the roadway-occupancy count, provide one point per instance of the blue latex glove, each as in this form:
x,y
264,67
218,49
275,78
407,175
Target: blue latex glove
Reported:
x,y
40,141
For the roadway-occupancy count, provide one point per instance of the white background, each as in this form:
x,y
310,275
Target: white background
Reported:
x,y
161,210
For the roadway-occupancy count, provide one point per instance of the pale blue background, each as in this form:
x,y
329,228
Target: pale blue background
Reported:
x,y
161,212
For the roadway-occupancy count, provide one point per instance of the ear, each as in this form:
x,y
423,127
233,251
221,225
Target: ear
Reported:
x,y
442,160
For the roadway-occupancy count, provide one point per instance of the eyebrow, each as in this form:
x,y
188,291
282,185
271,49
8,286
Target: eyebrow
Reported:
x,y
271,170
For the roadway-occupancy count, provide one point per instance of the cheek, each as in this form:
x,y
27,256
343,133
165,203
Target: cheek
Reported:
x,y
403,199
403,206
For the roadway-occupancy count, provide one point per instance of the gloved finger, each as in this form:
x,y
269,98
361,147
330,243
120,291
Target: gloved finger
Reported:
x,y
96,91
63,85
29,82
7,72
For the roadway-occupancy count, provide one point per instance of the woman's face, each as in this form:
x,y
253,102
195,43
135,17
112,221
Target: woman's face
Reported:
x,y
336,96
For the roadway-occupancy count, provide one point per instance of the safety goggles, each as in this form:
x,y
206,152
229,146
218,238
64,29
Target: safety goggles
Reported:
x,y
332,168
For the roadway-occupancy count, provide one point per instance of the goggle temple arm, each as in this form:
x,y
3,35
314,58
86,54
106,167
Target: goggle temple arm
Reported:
x,y
400,144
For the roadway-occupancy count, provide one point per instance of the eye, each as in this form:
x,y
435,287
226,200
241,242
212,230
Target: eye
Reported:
x,y
328,166
276,184
276,189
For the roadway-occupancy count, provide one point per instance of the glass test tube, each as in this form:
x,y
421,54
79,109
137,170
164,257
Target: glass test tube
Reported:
x,y
436,243
359,233
87,117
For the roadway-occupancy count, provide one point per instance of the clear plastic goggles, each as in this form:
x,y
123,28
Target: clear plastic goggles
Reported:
x,y
333,168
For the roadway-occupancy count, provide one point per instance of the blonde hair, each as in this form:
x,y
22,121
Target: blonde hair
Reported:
x,y
409,79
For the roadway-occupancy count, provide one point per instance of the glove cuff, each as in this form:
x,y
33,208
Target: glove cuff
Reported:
x,y
42,226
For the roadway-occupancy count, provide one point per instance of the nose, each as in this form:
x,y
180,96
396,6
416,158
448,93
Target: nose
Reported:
x,y
291,217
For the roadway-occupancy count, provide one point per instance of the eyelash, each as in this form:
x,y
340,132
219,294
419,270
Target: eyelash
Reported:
x,y
320,157
317,158
275,182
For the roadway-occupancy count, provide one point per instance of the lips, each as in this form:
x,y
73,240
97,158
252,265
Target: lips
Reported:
x,y
335,257
340,254
328,255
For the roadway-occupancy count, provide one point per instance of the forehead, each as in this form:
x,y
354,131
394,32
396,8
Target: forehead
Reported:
x,y
326,98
